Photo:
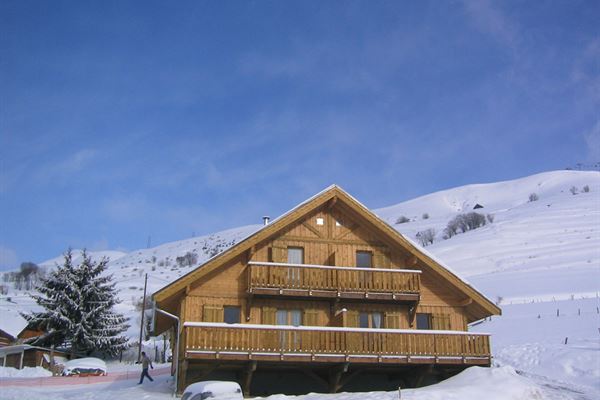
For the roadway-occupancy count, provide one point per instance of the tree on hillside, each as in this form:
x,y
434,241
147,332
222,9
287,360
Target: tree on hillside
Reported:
x,y
426,237
78,303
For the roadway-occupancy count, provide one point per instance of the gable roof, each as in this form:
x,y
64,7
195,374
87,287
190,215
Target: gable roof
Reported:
x,y
332,194
12,323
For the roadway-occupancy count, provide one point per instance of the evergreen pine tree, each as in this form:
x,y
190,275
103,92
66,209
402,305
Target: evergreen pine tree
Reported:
x,y
78,306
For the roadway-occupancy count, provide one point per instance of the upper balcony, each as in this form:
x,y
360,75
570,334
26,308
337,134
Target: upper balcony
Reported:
x,y
321,281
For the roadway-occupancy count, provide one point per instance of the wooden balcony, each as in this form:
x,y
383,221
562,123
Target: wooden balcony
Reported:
x,y
304,344
321,281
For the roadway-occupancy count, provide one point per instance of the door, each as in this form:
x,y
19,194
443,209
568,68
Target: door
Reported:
x,y
364,259
295,256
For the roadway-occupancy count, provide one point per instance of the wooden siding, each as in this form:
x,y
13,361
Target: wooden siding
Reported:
x,y
328,245
332,226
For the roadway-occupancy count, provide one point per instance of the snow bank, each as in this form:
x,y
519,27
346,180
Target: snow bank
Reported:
x,y
474,383
481,383
27,372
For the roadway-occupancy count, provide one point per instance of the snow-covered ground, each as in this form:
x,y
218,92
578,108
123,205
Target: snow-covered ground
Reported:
x,y
535,258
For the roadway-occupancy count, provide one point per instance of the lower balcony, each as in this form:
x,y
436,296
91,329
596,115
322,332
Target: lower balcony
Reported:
x,y
304,344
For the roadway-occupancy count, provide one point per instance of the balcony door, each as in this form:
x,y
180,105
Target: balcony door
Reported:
x,y
289,339
295,255
364,259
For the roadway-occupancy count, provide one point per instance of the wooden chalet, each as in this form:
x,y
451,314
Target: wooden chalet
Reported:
x,y
320,298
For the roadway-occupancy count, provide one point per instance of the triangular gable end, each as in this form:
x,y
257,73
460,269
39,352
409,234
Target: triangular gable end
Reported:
x,y
478,304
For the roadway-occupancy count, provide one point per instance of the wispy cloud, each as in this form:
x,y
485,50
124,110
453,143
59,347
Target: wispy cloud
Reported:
x,y
586,69
489,19
592,140
127,208
8,258
63,170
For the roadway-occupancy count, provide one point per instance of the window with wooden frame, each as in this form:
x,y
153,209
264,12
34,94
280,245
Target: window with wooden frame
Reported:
x,y
423,321
364,259
295,255
289,317
373,320
232,314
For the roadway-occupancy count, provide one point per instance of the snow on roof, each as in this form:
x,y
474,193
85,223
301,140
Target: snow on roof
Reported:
x,y
86,363
11,321
215,387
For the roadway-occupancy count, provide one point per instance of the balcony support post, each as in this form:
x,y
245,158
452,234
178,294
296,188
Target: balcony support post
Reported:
x,y
249,301
418,375
247,377
335,377
412,313
183,378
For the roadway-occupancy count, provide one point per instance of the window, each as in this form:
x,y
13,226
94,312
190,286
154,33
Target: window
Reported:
x,y
295,255
320,221
231,314
423,321
289,339
364,259
370,320
289,317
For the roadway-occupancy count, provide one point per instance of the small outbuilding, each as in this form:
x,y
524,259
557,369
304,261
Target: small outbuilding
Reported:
x,y
477,206
24,355
14,329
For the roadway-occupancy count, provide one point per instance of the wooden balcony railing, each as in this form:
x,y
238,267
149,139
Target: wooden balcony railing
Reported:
x,y
328,281
328,344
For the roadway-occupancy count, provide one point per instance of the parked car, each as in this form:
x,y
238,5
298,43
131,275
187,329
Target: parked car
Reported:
x,y
218,390
85,367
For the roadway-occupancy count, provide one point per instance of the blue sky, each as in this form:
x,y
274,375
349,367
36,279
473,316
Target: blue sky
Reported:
x,y
121,120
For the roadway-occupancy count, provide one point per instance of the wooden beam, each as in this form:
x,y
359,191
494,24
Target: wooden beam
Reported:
x,y
291,238
250,253
182,381
331,202
466,302
349,377
421,374
412,313
351,229
247,377
310,373
312,229
249,302
335,377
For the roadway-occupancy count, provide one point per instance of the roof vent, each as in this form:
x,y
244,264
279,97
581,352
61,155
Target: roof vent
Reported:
x,y
266,220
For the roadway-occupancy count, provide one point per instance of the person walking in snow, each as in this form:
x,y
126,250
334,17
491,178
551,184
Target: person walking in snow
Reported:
x,y
145,362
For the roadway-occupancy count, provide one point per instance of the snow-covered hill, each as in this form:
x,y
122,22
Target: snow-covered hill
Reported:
x,y
544,249
535,257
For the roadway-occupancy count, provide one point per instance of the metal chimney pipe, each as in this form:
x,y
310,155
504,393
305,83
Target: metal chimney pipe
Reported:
x,y
266,219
